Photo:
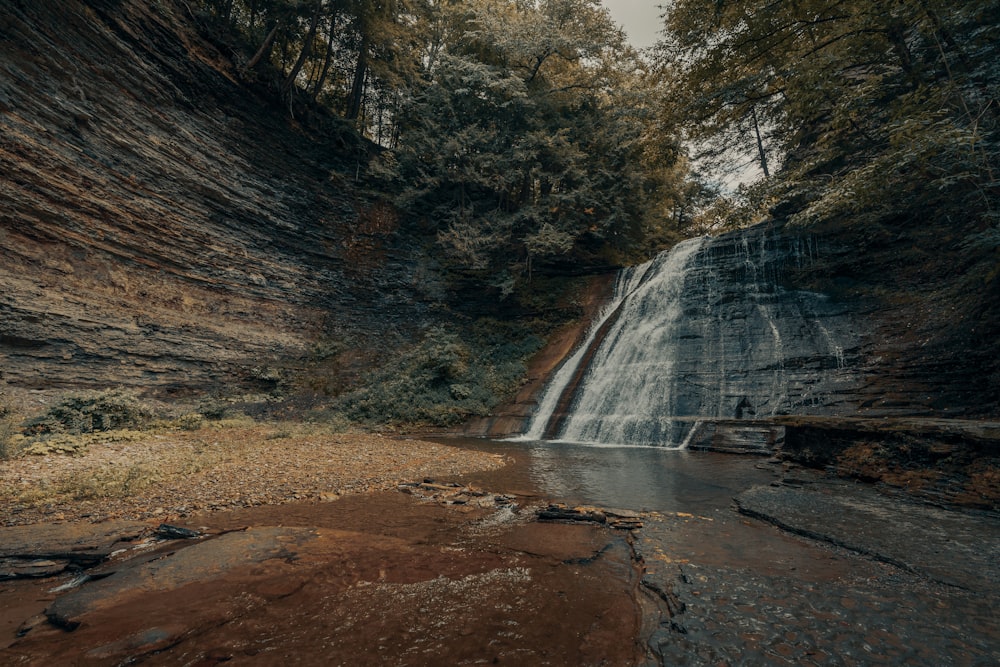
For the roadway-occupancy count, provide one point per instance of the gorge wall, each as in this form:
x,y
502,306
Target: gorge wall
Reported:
x,y
164,226
772,321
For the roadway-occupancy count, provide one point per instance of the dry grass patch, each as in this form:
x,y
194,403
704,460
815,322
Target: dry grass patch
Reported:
x,y
163,474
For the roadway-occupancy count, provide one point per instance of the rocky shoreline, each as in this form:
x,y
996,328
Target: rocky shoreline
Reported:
x,y
376,565
468,560
168,476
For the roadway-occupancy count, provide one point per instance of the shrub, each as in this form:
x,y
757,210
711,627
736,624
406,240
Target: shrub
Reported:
x,y
449,376
191,421
10,433
90,412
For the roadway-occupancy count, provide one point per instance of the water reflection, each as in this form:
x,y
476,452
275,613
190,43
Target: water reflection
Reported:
x,y
641,478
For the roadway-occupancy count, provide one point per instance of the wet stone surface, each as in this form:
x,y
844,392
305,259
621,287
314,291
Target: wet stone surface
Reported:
x,y
954,547
732,616
796,601
721,588
383,579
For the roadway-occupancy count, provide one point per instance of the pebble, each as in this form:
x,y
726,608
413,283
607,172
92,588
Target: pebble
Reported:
x,y
314,466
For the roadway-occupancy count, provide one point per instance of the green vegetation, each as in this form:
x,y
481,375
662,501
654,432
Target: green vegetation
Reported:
x,y
78,420
515,133
530,138
90,412
446,378
519,134
877,111
9,431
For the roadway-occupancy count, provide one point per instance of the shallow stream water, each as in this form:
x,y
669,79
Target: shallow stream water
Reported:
x,y
731,590
651,479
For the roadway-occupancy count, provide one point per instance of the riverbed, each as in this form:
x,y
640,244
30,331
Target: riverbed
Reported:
x,y
457,570
730,589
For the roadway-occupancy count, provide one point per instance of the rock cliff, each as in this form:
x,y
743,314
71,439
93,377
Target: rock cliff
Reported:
x,y
844,320
162,225
929,293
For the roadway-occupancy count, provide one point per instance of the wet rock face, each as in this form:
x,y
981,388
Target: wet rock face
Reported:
x,y
751,345
710,331
847,319
160,224
772,321
943,461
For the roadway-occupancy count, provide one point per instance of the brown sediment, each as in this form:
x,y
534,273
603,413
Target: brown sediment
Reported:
x,y
376,577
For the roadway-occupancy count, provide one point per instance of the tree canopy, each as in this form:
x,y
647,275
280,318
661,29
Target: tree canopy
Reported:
x,y
521,134
856,99
527,139
517,132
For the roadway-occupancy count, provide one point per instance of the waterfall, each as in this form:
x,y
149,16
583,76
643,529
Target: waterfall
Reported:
x,y
704,331
554,390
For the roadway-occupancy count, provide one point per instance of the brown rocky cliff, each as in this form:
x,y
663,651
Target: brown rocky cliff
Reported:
x,y
930,290
162,226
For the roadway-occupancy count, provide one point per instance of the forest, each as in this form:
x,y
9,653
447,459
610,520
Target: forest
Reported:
x,y
276,276
522,133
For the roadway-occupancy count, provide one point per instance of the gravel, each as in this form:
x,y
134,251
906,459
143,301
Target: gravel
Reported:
x,y
170,475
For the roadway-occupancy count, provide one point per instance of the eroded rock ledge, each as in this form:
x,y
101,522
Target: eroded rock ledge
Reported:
x,y
163,225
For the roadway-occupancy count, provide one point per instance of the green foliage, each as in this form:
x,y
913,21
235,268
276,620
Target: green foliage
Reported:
x,y
110,483
73,445
878,110
448,377
518,132
192,421
532,139
90,412
10,433
352,56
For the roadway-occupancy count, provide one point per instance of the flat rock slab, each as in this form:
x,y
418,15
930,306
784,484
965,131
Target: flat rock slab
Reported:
x,y
23,549
200,561
951,547
377,579
67,539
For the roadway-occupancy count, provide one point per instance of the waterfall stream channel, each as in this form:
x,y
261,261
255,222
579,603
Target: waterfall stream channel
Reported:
x,y
849,578
702,333
749,560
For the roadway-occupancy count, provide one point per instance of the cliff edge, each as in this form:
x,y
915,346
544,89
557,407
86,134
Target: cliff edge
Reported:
x,y
164,225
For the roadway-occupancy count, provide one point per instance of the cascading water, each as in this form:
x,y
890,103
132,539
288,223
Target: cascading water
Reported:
x,y
556,387
703,332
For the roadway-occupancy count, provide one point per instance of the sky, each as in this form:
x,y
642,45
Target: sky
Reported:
x,y
642,23
639,18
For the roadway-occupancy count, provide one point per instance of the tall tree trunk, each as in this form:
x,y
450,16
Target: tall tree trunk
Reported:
x,y
265,48
228,13
254,13
328,59
760,143
358,87
289,84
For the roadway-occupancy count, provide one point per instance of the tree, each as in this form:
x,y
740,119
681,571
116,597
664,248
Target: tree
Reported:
x,y
520,146
523,130
856,97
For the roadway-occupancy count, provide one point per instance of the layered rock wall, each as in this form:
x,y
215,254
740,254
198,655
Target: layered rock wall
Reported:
x,y
771,321
163,226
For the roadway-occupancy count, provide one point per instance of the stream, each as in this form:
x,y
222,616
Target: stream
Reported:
x,y
449,574
724,588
